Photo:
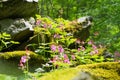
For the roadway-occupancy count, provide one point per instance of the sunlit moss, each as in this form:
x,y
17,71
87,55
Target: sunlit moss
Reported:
x,y
104,71
18,54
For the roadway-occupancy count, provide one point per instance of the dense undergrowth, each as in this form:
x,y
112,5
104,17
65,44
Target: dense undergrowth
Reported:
x,y
53,41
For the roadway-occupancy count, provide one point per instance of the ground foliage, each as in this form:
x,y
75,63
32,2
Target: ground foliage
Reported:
x,y
105,13
102,71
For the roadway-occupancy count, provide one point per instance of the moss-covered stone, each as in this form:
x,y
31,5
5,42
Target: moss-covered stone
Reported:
x,y
16,55
99,71
8,55
9,62
17,9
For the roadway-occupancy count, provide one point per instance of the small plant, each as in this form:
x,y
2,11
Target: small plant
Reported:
x,y
60,48
23,65
5,41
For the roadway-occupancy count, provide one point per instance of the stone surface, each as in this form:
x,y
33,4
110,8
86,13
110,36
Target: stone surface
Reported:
x,y
86,23
17,8
19,29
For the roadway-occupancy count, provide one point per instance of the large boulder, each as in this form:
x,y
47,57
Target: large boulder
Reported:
x,y
18,8
16,18
19,29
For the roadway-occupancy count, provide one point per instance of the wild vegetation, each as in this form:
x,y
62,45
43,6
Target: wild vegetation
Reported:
x,y
54,39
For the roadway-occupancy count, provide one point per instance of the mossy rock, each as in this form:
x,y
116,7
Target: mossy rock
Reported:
x,y
18,54
98,71
35,59
9,62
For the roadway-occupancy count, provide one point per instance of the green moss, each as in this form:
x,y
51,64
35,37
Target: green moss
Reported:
x,y
17,54
104,71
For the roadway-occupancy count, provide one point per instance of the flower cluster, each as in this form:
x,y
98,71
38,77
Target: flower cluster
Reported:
x,y
94,48
24,59
61,56
62,59
58,48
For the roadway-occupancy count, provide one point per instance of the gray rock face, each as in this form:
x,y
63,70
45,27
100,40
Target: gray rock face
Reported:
x,y
20,29
15,18
18,8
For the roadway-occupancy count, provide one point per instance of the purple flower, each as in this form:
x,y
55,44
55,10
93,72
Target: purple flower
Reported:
x,y
65,56
23,59
66,59
53,47
60,49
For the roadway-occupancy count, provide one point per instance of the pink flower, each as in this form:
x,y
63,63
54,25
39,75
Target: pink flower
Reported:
x,y
82,48
56,57
44,25
117,54
66,61
73,57
23,59
53,47
82,42
90,42
56,36
21,64
60,49
94,47
92,52
96,51
65,56
78,49
38,22
78,41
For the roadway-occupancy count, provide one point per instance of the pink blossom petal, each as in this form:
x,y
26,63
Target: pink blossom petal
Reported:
x,y
53,47
60,49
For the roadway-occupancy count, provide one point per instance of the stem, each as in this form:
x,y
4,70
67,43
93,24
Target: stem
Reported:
x,y
27,67
38,39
